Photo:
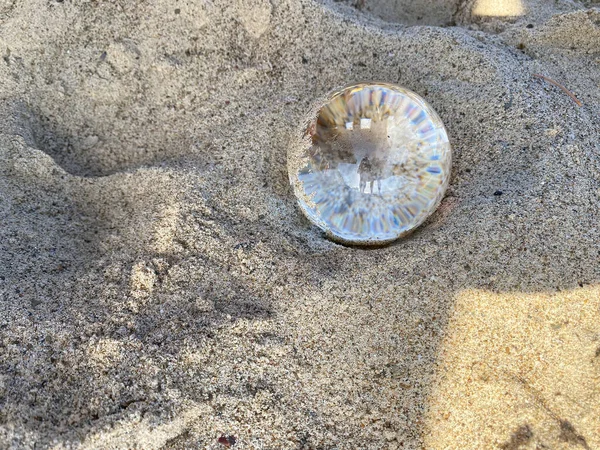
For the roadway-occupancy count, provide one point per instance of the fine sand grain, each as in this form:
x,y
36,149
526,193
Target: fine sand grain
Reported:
x,y
159,288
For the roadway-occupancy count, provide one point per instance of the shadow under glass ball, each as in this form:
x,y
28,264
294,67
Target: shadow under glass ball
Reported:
x,y
371,165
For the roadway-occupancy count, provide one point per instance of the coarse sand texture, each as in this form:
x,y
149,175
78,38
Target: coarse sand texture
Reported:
x,y
160,287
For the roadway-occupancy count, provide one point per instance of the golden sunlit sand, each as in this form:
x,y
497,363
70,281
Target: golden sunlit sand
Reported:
x,y
518,366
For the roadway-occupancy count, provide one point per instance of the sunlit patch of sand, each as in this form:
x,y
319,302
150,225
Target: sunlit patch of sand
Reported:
x,y
105,353
519,370
150,433
498,8
164,232
142,280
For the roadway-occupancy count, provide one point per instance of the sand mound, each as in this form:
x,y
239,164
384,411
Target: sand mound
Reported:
x,y
160,288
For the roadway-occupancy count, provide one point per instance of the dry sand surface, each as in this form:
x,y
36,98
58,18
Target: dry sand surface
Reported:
x,y
159,288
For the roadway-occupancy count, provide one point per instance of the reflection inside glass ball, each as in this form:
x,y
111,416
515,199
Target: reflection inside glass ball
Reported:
x,y
372,164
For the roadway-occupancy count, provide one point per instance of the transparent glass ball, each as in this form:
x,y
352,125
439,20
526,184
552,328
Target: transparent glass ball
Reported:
x,y
371,165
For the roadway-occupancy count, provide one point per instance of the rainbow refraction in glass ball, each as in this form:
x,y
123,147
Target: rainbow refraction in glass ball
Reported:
x,y
371,165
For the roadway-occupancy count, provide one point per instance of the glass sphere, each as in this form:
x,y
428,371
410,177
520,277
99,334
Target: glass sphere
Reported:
x,y
371,165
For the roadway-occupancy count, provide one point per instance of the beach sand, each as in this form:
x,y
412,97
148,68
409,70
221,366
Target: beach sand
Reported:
x,y
159,287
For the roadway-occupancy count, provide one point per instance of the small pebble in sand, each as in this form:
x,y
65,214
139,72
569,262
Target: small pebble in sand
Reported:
x,y
227,441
